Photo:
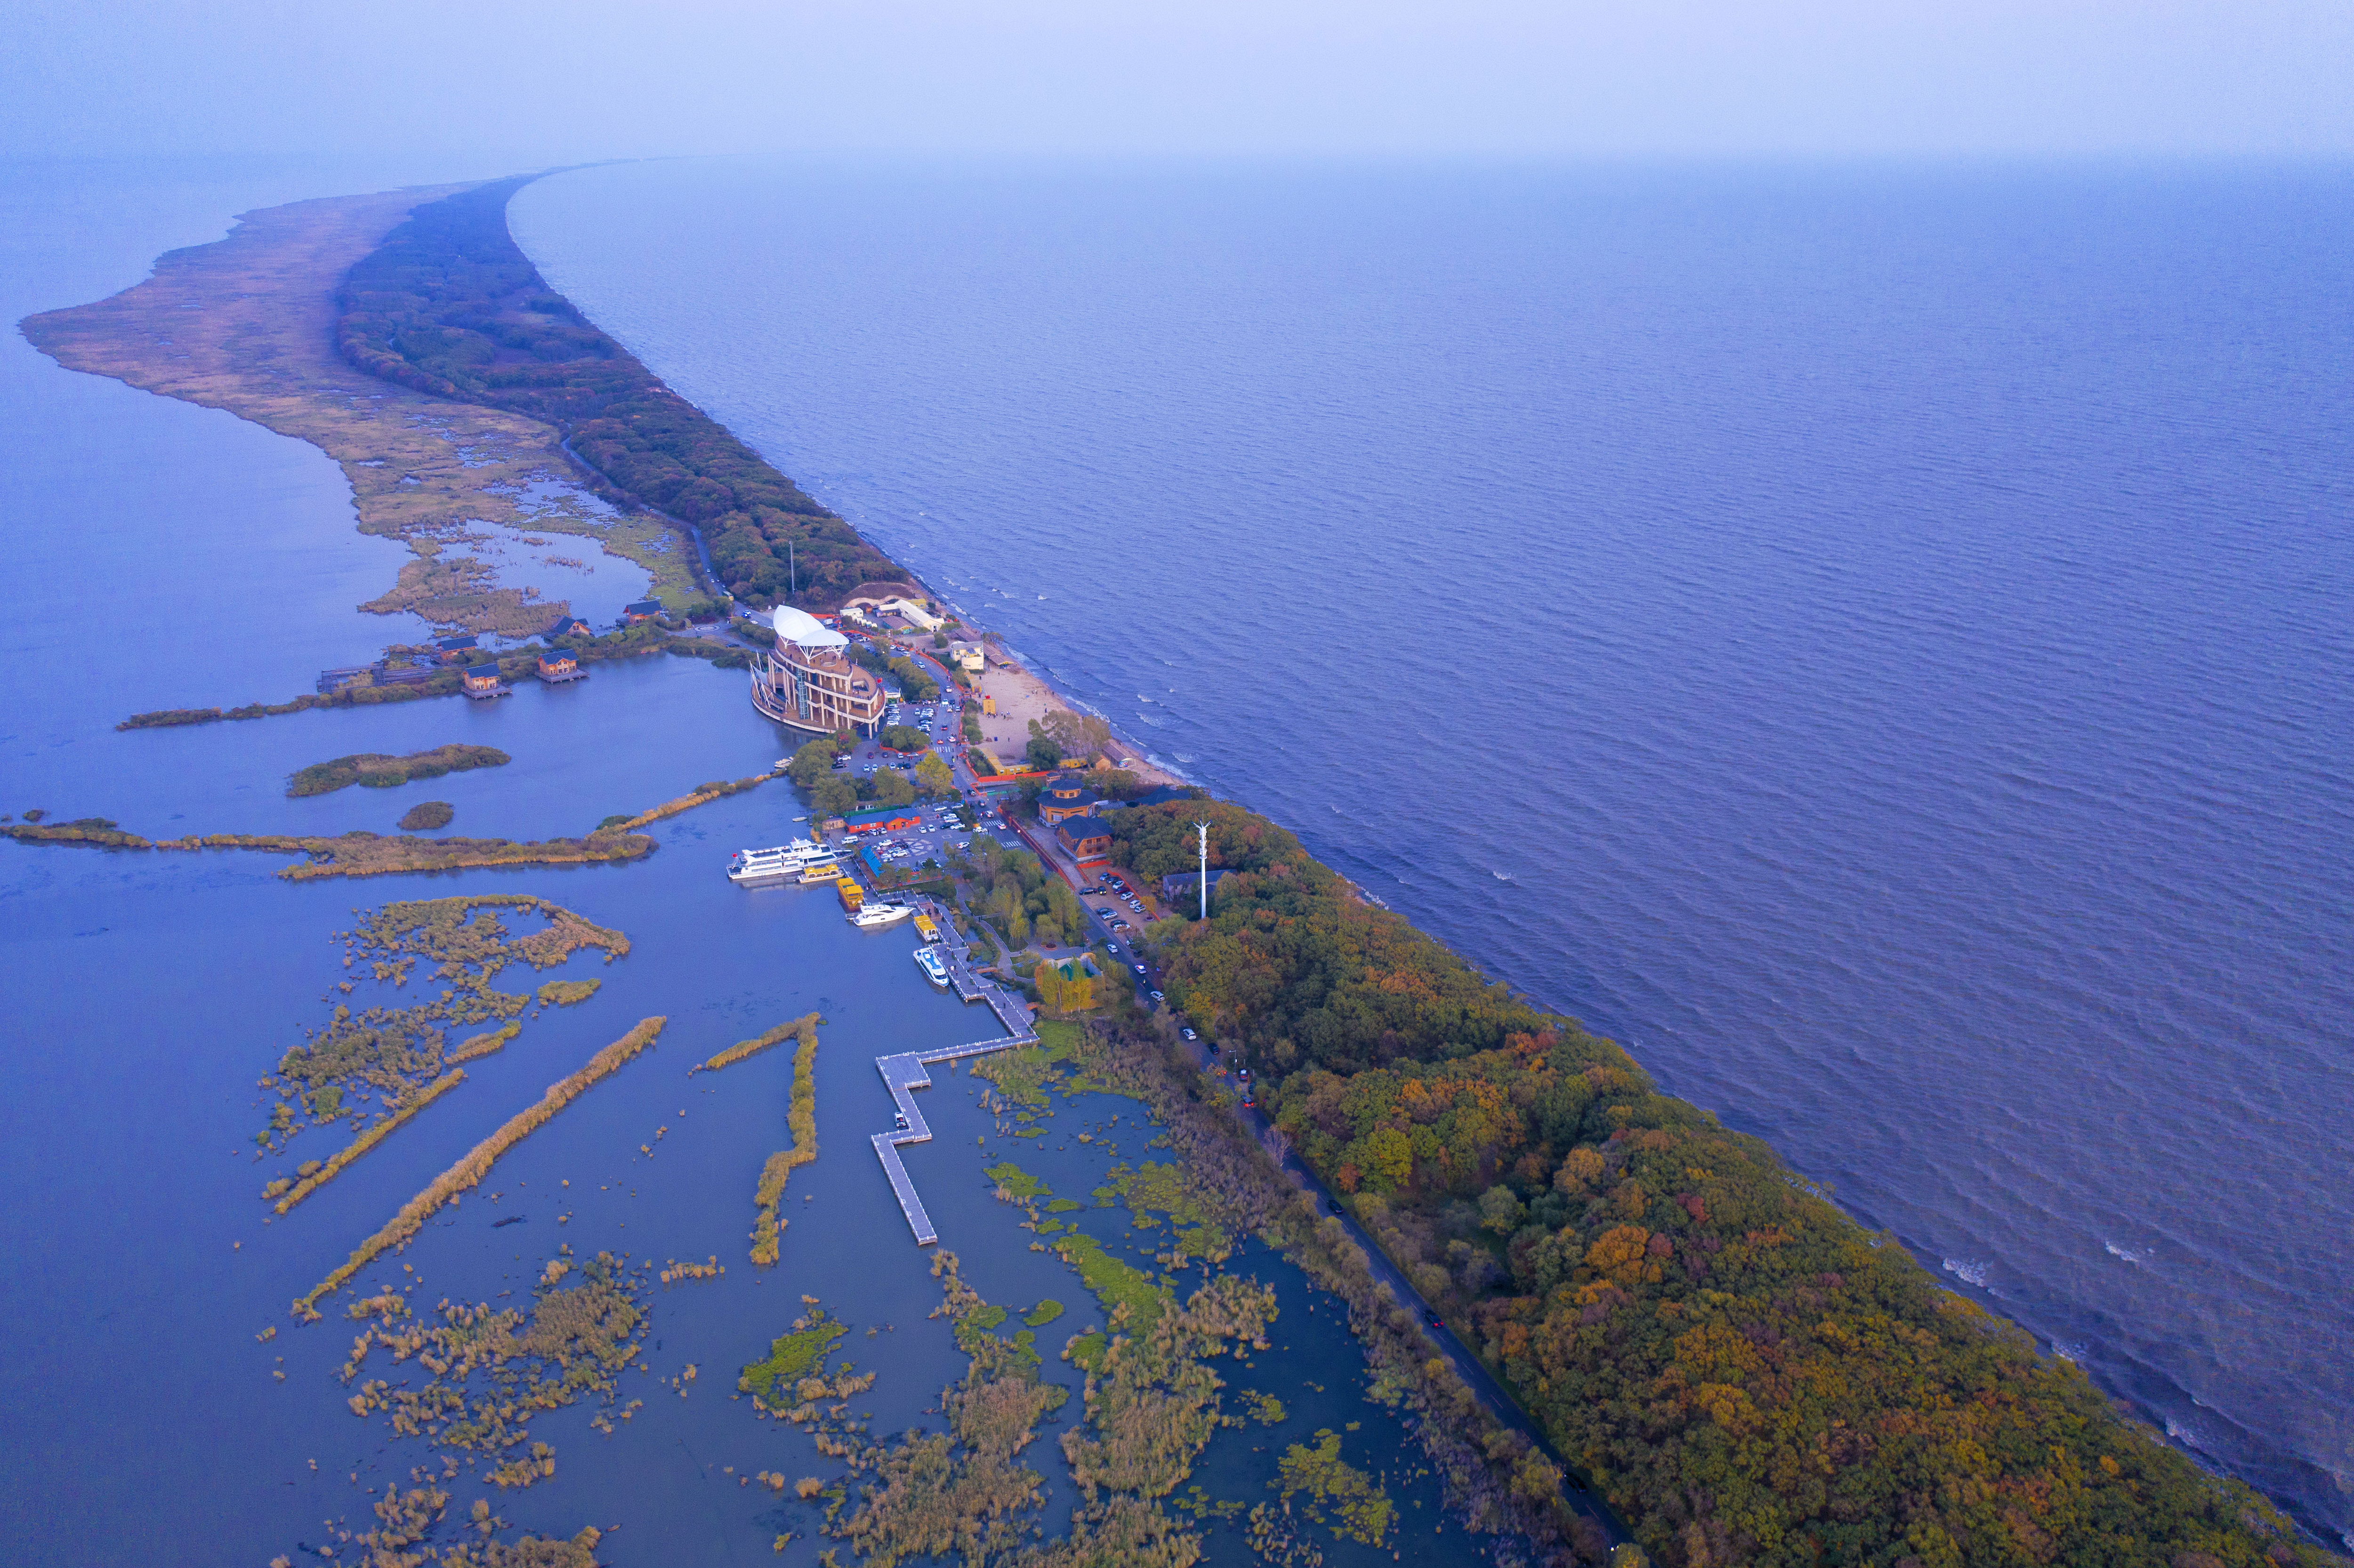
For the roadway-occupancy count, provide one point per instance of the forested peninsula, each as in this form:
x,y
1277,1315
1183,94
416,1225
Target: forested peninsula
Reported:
x,y
1747,1374
450,305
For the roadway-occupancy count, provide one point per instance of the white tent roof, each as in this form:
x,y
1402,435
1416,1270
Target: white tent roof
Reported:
x,y
799,626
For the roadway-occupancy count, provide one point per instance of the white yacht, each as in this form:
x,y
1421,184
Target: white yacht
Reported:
x,y
881,914
935,969
780,862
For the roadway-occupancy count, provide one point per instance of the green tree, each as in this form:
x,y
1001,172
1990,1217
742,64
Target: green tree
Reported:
x,y
933,775
1388,1159
892,789
1063,905
811,762
1079,735
1499,1211
1044,751
835,796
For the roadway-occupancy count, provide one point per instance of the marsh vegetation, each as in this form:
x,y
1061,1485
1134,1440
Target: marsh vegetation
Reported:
x,y
491,1371
800,1118
376,770
469,1170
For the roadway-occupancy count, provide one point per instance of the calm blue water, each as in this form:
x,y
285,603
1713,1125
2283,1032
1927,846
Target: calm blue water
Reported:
x,y
1876,642
173,555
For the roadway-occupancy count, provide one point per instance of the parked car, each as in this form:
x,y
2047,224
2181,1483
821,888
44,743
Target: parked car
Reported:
x,y
1139,969
1189,1034
1156,996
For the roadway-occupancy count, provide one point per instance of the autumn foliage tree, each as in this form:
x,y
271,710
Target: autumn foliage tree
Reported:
x,y
1747,1374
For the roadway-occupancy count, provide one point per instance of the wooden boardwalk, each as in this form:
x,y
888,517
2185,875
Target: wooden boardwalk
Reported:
x,y
904,1073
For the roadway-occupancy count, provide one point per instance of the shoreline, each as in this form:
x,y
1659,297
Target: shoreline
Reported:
x,y
433,579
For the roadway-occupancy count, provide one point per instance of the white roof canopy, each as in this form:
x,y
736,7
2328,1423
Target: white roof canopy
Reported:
x,y
801,626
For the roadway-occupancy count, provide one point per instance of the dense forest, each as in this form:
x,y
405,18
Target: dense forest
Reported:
x,y
1748,1375
450,305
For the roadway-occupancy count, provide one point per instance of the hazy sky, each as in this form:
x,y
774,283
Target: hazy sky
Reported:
x,y
590,79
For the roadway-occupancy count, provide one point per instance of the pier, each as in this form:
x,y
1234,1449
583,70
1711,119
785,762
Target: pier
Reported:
x,y
903,1074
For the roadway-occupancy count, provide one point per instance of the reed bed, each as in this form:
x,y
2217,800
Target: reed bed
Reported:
x,y
374,1135
486,1044
767,1226
470,1170
805,1025
701,795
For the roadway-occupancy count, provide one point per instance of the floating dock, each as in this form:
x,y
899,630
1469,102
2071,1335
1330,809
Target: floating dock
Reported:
x,y
904,1073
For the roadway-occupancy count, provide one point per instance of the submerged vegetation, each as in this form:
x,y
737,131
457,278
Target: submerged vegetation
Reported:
x,y
471,1169
376,770
448,305
566,993
492,1370
767,1226
403,1108
1335,1493
394,1053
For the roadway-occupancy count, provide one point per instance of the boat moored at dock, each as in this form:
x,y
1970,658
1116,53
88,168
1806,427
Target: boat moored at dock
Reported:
x,y
874,915
779,863
935,969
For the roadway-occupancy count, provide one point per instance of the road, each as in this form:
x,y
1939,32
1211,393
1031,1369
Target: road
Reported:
x,y
1468,1366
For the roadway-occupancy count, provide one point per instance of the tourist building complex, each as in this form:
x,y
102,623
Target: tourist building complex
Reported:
x,y
807,681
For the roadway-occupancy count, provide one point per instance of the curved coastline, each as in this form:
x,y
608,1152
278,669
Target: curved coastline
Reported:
x,y
1651,1534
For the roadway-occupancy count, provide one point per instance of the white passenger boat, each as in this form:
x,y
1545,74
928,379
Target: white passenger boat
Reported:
x,y
779,863
936,969
881,914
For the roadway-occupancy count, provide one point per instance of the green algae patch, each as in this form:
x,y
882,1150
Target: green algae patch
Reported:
x,y
567,993
1110,1281
1153,1190
792,1357
1266,1409
964,1492
376,771
1018,1184
1064,1206
1335,1493
1044,1313
1025,1076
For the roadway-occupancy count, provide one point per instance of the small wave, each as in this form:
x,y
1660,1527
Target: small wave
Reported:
x,y
1501,876
1971,1272
2073,1354
2125,1253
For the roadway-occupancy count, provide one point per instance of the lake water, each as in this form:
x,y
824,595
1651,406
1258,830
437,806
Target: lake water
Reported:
x,y
1874,641
174,556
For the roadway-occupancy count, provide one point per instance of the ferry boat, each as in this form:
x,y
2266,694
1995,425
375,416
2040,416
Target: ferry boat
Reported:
x,y
874,915
779,863
935,969
852,895
823,870
926,928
